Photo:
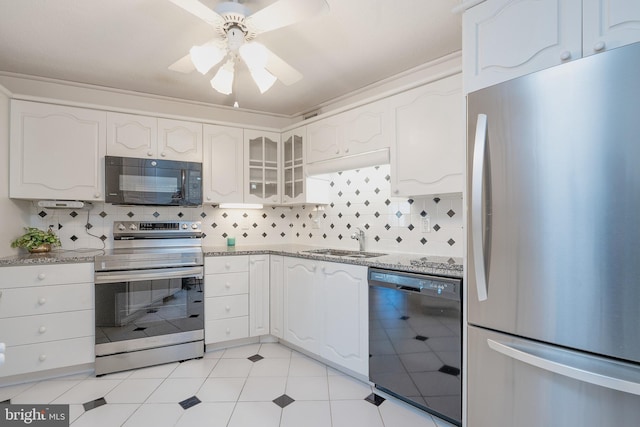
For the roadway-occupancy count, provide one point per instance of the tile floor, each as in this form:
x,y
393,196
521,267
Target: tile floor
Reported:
x,y
275,387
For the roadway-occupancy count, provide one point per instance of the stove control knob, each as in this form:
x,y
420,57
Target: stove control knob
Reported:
x,y
121,227
184,226
194,226
133,227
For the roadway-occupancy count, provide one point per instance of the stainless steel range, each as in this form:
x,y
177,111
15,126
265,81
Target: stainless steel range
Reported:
x,y
149,299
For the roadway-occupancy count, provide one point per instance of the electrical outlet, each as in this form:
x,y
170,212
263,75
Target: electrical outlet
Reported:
x,y
425,224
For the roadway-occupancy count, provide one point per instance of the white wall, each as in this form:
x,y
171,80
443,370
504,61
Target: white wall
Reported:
x,y
13,214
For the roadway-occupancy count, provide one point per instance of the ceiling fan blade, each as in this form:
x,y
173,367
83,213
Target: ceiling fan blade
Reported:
x,y
283,13
201,11
283,71
183,65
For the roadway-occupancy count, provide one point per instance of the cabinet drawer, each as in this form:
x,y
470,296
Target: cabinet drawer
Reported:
x,y
43,275
47,327
49,355
216,285
226,264
45,299
226,329
224,307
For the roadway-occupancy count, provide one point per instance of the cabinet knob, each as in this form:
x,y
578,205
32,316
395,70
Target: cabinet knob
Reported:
x,y
338,151
97,195
396,191
252,262
227,308
228,331
598,47
314,268
163,154
227,266
227,285
274,198
42,301
566,55
208,197
42,276
42,329
149,153
42,357
346,150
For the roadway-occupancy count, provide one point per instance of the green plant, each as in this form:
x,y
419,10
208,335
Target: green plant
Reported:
x,y
35,237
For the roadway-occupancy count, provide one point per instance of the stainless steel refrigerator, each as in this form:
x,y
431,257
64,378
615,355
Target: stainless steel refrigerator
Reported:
x,y
553,265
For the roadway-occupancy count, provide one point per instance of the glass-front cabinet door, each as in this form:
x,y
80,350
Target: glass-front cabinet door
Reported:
x,y
262,167
293,166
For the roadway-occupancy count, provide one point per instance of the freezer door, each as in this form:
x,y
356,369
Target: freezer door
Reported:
x,y
554,205
515,382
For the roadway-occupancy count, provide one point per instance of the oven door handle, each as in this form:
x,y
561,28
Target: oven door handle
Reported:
x,y
155,274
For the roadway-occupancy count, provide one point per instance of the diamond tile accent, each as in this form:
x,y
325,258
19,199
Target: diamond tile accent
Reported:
x,y
103,214
404,318
410,201
93,404
190,402
202,215
399,214
377,238
255,358
375,399
244,235
225,235
129,214
283,401
446,369
436,199
224,215
264,216
156,214
139,328
74,238
423,240
451,213
410,227
234,225
340,193
194,316
264,234
377,190
398,239
254,225
451,242
103,237
387,202
387,226
421,338
423,214
340,236
88,226
73,214
180,214
436,227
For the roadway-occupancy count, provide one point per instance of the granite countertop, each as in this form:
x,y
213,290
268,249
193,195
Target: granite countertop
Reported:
x,y
417,263
412,262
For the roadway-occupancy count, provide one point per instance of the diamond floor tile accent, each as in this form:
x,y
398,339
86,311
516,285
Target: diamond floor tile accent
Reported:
x,y
375,399
446,369
255,358
190,402
283,401
93,404
421,338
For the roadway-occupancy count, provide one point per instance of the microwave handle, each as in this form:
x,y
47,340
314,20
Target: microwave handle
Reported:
x,y
183,183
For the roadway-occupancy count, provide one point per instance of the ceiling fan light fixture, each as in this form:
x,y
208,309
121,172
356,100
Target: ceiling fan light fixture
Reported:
x,y
254,54
263,78
223,80
206,56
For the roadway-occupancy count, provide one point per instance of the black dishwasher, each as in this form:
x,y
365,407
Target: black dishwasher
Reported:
x,y
415,339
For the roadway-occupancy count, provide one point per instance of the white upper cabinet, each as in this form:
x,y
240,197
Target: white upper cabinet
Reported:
x,y
504,39
56,152
361,130
223,166
130,135
428,156
297,187
262,167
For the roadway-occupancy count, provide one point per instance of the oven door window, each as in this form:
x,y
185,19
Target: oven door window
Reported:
x,y
148,308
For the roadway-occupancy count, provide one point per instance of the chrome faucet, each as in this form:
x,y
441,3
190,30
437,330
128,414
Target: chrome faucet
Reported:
x,y
359,236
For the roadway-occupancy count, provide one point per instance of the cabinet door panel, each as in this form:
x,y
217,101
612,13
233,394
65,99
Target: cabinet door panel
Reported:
x,y
179,140
323,140
428,156
262,167
609,24
223,165
131,135
47,327
301,299
366,128
45,299
504,39
276,296
258,295
346,316
56,152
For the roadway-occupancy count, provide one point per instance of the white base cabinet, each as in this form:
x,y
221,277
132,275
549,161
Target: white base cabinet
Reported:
x,y
258,295
326,311
56,152
226,302
46,317
276,295
428,156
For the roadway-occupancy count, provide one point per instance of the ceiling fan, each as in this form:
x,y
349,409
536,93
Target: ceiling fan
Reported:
x,y
236,29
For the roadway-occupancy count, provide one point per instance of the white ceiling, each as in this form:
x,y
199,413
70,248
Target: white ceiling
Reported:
x,y
128,44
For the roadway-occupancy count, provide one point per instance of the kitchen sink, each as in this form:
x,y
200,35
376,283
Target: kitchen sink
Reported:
x,y
344,253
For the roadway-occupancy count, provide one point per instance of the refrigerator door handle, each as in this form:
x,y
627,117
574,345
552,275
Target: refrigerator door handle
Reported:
x,y
477,196
608,374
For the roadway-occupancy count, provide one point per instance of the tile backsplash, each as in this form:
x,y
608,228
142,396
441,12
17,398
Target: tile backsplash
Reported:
x,y
360,198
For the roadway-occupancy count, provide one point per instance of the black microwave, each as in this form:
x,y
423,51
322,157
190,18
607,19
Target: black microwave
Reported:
x,y
131,181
